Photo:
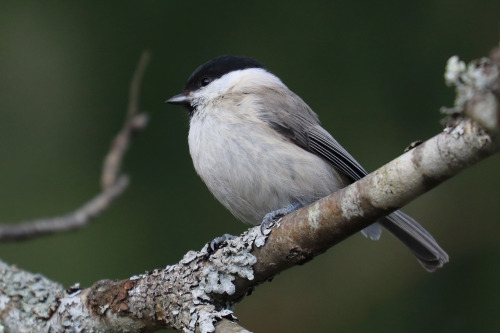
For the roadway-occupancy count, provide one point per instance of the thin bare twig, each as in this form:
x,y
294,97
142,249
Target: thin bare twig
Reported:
x,y
134,122
112,181
74,220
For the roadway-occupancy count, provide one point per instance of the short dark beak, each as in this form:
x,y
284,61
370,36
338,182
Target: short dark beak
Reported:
x,y
180,99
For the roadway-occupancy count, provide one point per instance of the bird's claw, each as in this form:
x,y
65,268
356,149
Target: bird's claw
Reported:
x,y
269,222
272,218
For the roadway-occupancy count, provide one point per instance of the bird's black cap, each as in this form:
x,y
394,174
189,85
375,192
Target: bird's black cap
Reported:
x,y
216,68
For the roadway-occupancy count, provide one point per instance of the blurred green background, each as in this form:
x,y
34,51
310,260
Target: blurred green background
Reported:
x,y
378,66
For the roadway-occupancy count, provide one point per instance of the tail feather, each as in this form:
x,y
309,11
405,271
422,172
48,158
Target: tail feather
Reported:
x,y
373,231
430,255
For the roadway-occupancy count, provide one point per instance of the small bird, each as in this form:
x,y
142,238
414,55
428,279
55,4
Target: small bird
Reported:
x,y
262,152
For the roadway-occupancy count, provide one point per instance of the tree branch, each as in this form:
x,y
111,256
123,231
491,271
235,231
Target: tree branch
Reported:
x,y
113,183
198,292
134,123
75,220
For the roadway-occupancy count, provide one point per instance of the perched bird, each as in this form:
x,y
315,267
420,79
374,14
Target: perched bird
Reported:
x,y
262,152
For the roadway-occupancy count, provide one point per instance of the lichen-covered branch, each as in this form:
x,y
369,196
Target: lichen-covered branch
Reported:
x,y
197,293
478,90
113,182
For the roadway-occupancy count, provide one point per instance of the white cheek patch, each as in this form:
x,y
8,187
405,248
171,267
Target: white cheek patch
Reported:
x,y
234,81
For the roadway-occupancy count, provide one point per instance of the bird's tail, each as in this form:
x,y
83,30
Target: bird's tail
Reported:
x,y
430,255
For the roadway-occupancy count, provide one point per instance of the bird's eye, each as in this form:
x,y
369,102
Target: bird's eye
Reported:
x,y
205,81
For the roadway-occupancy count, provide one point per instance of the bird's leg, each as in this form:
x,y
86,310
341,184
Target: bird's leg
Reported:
x,y
271,218
265,227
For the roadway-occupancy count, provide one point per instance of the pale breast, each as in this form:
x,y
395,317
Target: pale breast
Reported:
x,y
252,170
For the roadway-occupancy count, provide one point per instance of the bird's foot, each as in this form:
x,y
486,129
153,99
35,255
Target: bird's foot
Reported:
x,y
271,218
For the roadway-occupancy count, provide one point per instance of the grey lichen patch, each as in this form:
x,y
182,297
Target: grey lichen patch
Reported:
x,y
229,262
190,294
206,319
72,314
313,216
477,91
254,236
4,302
26,300
351,203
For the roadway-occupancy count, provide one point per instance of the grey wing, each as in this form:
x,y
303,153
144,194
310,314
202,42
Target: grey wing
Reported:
x,y
321,143
295,120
